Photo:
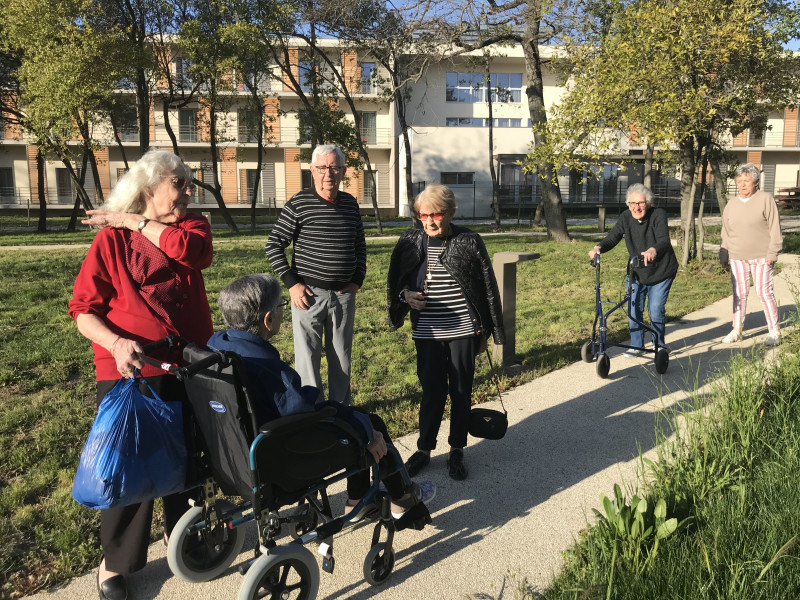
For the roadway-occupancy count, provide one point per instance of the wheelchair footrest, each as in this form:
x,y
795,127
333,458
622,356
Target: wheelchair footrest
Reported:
x,y
416,517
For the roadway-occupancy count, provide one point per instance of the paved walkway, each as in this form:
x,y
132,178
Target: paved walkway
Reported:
x,y
572,435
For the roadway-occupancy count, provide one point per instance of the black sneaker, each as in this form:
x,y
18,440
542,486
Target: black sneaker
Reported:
x,y
417,462
458,470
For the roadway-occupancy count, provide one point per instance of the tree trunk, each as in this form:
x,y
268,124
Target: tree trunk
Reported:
x,y
40,166
143,111
687,197
648,166
720,186
551,195
701,230
217,193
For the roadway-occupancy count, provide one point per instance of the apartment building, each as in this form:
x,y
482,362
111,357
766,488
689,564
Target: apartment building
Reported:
x,y
282,173
448,115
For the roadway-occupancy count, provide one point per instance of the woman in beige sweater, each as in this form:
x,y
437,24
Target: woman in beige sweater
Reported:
x,y
751,240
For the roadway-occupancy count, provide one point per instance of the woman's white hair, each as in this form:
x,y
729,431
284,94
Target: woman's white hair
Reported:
x,y
145,175
640,190
749,169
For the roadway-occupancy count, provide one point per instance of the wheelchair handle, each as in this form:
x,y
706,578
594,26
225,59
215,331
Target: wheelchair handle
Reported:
x,y
171,341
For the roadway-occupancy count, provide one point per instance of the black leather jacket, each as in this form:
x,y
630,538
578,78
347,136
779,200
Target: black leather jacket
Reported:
x,y
466,260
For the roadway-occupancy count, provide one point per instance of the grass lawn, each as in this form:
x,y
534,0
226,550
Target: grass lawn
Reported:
x,y
47,387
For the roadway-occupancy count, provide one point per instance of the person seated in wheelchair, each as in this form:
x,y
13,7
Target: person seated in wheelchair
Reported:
x,y
252,308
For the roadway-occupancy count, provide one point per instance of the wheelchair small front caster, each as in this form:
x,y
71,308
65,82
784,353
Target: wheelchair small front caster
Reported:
x,y
378,564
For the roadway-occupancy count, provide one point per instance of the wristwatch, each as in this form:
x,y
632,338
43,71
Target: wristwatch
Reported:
x,y
142,224
402,296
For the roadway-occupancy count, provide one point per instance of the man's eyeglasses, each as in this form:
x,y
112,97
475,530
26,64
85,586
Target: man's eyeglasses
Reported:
x,y
283,303
181,183
333,170
435,216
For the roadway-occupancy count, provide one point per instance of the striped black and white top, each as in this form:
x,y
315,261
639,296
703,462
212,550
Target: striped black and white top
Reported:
x,y
329,246
445,316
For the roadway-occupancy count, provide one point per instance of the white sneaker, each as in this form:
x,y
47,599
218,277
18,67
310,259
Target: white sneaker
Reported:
x,y
773,338
734,336
633,353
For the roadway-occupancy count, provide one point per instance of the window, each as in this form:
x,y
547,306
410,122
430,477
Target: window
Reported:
x,y
250,181
471,87
368,78
464,122
63,186
370,186
506,87
187,125
305,75
2,126
458,178
369,133
306,182
128,124
248,126
7,184
465,87
183,77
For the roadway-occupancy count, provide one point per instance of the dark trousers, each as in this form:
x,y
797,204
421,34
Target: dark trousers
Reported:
x,y
358,484
125,531
445,367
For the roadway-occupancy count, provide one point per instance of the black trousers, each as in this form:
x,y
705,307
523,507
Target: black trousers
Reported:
x,y
358,484
125,531
445,367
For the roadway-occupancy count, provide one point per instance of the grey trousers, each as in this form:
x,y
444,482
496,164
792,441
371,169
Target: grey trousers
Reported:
x,y
331,315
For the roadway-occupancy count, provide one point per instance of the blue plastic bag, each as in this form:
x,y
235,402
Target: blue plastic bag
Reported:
x,y
135,450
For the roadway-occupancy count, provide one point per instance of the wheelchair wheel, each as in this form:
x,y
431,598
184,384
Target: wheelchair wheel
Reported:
x,y
586,352
190,557
662,361
289,571
379,564
308,522
603,366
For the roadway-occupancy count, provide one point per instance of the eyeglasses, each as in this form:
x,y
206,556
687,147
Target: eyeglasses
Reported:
x,y
332,170
283,303
181,183
435,216
643,203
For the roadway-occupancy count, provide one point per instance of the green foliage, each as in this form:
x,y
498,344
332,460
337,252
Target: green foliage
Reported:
x,y
634,529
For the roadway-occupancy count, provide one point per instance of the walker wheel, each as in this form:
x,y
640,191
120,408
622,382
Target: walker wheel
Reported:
x,y
586,352
662,361
603,366
378,564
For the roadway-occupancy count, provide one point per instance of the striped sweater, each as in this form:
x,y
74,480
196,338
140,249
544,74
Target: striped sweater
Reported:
x,y
330,251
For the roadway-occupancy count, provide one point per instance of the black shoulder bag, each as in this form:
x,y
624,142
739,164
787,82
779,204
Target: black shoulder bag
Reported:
x,y
487,423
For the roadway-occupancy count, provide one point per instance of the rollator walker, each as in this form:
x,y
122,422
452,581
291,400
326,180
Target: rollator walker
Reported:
x,y
597,346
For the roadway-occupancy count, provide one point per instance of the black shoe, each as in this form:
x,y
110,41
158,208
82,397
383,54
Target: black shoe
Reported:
x,y
458,470
113,588
417,462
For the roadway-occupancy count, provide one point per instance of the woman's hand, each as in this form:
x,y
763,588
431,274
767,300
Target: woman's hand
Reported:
x,y
123,351
378,446
649,255
416,300
107,218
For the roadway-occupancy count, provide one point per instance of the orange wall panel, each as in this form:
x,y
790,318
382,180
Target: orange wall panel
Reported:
x,y
101,158
352,80
755,158
228,175
272,113
790,127
293,178
293,59
741,139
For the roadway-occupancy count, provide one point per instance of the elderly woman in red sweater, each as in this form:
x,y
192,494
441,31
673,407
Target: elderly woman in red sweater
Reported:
x,y
751,240
140,281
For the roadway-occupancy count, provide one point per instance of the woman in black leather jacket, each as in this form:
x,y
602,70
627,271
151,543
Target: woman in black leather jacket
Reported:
x,y
442,275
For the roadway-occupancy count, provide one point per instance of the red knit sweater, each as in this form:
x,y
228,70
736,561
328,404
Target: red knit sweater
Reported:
x,y
143,292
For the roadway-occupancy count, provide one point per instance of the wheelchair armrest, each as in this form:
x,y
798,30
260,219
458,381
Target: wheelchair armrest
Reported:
x,y
298,421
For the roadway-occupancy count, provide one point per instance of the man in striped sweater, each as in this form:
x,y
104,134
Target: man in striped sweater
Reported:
x,y
327,269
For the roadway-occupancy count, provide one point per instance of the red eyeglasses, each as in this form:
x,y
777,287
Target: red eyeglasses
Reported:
x,y
435,216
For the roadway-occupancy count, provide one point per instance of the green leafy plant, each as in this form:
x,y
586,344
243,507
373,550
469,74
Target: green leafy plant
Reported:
x,y
635,528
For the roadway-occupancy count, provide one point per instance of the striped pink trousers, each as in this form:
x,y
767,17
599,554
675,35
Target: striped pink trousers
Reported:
x,y
762,281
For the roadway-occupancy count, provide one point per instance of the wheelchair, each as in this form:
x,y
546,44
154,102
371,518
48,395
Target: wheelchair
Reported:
x,y
281,470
